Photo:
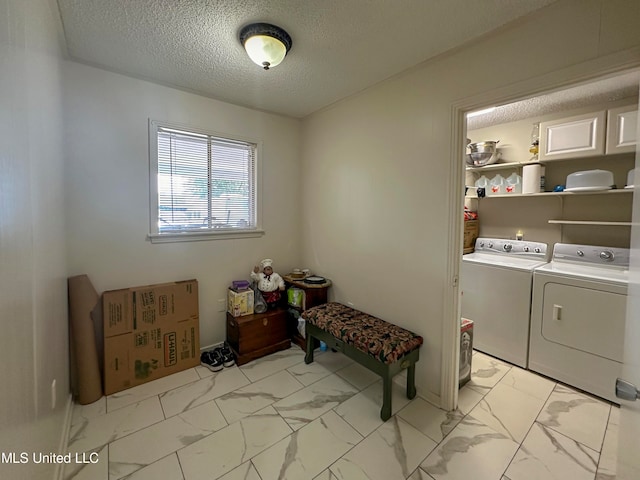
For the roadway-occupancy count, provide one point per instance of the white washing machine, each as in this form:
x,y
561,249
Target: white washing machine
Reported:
x,y
495,281
578,317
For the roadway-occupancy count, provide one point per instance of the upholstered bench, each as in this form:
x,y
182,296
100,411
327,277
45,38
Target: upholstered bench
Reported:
x,y
380,346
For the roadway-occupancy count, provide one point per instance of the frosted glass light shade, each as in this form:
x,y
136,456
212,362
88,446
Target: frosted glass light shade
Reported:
x,y
265,51
266,44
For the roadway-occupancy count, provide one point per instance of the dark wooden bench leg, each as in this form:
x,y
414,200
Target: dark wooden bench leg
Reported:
x,y
386,371
308,358
411,381
385,412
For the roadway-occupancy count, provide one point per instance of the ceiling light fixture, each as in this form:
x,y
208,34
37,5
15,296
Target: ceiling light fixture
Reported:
x,y
266,44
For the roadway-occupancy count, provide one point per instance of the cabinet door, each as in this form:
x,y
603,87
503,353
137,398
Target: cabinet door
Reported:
x,y
574,137
621,129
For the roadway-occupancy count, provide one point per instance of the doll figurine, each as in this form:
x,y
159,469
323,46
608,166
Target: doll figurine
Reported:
x,y
269,283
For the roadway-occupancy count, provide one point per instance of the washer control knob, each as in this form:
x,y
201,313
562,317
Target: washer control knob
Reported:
x,y
606,255
507,247
490,245
537,250
580,253
525,248
481,244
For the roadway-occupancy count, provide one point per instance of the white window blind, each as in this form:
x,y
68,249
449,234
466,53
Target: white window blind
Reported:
x,y
204,183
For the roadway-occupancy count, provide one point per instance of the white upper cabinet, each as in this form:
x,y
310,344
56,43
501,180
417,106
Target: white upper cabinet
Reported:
x,y
573,137
622,126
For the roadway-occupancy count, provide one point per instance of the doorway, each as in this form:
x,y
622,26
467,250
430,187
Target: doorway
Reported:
x,y
529,94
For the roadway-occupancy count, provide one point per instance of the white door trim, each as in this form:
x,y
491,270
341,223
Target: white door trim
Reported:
x,y
557,80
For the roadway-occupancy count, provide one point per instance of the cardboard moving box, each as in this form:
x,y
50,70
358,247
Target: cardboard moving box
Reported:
x,y
150,332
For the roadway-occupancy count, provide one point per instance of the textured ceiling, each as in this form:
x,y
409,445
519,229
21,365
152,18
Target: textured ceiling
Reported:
x,y
619,87
340,47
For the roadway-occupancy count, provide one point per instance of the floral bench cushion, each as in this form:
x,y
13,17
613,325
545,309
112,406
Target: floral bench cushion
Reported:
x,y
382,340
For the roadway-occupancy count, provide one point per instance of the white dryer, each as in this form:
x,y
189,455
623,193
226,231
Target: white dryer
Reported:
x,y
495,282
578,317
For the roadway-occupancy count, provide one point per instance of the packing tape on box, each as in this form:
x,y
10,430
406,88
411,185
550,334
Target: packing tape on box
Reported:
x,y
85,363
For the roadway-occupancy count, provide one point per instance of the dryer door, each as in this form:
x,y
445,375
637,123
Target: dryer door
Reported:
x,y
585,319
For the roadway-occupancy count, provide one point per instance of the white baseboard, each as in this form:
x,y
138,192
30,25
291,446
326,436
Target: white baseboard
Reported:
x,y
58,473
430,397
210,347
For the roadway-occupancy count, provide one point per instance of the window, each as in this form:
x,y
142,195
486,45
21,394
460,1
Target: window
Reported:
x,y
202,186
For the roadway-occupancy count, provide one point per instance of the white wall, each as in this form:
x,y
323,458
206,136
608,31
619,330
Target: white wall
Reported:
x,y
107,189
33,297
376,167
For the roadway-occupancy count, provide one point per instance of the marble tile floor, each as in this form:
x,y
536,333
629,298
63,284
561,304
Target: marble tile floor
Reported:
x,y
277,418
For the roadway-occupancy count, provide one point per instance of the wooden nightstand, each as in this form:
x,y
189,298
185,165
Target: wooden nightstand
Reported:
x,y
315,294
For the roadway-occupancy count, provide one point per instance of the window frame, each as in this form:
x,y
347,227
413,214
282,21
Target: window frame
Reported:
x,y
211,233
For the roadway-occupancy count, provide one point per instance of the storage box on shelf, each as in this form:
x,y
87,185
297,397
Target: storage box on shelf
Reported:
x,y
240,302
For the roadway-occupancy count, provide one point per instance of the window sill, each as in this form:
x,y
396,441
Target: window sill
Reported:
x,y
201,236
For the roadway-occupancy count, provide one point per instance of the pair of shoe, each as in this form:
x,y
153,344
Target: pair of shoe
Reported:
x,y
217,358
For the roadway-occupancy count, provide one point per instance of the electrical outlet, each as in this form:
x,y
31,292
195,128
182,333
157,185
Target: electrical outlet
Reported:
x,y
222,305
53,394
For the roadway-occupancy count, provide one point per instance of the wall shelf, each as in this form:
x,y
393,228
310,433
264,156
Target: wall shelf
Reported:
x,y
590,222
548,161
495,166
563,194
